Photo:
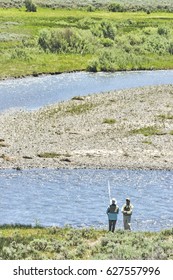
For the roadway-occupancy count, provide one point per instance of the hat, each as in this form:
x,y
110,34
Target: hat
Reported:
x,y
114,200
128,199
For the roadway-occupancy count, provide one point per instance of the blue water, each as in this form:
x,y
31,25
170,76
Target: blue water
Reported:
x,y
35,92
80,197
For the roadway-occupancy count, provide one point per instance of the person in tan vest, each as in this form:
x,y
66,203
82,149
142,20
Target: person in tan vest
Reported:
x,y
112,212
127,213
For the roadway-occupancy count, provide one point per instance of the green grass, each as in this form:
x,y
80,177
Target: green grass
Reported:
x,y
146,131
136,45
109,121
147,142
26,242
166,117
49,63
52,155
76,109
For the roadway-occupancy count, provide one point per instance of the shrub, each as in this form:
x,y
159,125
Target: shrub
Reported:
x,y
44,39
106,42
63,41
91,8
93,65
170,48
30,6
20,53
154,44
106,61
39,244
105,29
115,7
162,31
108,30
86,23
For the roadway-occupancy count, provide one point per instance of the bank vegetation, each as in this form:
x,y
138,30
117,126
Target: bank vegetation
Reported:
x,y
54,40
27,242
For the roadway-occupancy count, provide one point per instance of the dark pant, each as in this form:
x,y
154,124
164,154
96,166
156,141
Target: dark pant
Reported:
x,y
112,224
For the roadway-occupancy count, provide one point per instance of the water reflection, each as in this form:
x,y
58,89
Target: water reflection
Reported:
x,y
80,197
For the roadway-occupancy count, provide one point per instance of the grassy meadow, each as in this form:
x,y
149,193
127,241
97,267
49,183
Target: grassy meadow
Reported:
x,y
25,242
55,40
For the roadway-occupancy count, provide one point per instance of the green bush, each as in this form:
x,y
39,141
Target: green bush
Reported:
x,y
93,65
108,30
44,39
30,6
106,42
163,31
116,7
170,48
21,53
105,29
91,8
63,41
154,44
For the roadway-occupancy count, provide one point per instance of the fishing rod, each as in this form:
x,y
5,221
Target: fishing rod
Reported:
x,y
109,192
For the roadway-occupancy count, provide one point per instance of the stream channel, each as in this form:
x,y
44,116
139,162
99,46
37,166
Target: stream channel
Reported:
x,y
80,197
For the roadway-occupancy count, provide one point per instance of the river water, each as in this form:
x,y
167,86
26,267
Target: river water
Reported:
x,y
33,93
80,197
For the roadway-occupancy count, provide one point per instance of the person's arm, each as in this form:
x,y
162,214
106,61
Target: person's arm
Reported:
x,y
108,210
130,211
122,210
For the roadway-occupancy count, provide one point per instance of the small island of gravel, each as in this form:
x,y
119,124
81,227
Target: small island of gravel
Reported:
x,y
119,129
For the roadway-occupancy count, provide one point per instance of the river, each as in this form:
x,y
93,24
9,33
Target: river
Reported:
x,y
80,197
35,92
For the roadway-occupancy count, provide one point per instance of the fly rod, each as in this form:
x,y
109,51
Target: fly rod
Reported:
x,y
109,192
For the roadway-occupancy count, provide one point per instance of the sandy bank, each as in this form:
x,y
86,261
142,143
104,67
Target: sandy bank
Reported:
x,y
122,129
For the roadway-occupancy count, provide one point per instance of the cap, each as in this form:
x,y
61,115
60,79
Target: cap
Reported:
x,y
114,200
128,199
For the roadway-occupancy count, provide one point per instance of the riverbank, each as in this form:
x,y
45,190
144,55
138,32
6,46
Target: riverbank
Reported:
x,y
22,242
65,40
127,129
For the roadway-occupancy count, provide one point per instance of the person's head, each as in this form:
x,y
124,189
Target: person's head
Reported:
x,y
127,200
114,201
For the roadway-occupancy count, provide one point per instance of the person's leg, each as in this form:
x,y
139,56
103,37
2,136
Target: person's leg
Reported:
x,y
125,222
129,222
113,225
110,225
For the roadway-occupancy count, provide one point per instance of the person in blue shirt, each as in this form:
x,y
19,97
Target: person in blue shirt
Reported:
x,y
112,212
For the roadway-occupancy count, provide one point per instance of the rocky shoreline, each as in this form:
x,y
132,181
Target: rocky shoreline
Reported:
x,y
127,129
